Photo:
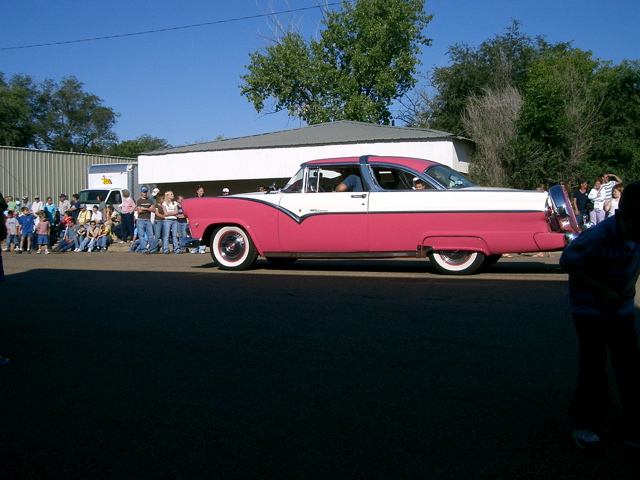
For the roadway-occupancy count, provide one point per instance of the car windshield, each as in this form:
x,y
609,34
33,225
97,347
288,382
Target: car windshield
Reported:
x,y
295,184
448,178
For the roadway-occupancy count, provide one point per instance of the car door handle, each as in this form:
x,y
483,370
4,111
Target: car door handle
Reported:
x,y
362,195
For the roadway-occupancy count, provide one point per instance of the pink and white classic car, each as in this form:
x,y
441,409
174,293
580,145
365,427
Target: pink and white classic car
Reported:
x,y
380,207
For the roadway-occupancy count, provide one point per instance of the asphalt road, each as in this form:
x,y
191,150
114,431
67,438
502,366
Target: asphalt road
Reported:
x,y
127,366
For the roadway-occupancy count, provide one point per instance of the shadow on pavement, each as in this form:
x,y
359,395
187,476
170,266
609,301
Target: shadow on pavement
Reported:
x,y
201,375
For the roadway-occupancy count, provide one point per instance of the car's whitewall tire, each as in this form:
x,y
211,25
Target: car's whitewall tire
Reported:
x,y
232,248
456,262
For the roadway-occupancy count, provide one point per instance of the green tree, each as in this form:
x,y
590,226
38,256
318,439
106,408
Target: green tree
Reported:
x,y
73,120
561,116
497,63
365,58
617,144
18,110
132,148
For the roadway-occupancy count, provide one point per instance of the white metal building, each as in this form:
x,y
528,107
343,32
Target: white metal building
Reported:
x,y
242,163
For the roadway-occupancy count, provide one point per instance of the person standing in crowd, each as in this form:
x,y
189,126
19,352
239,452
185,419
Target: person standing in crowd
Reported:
x,y
157,219
37,205
127,208
201,248
12,204
145,207
43,233
102,206
27,222
51,212
603,264
608,184
182,224
598,196
75,207
170,212
3,234
13,229
580,200
63,204
612,205
25,203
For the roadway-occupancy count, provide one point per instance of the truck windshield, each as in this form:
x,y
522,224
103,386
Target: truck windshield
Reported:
x,y
90,196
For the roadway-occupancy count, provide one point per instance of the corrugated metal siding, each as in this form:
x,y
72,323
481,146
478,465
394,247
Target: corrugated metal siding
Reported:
x,y
27,172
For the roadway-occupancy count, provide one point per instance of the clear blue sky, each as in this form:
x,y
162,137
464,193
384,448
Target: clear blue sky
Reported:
x,y
182,84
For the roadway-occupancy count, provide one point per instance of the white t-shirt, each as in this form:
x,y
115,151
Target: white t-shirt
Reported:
x,y
171,210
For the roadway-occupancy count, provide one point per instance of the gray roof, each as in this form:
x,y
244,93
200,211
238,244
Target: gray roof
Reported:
x,y
333,133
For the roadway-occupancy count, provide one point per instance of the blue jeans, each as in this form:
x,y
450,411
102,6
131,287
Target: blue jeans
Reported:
x,y
145,229
170,228
64,245
182,233
103,242
13,239
87,242
158,226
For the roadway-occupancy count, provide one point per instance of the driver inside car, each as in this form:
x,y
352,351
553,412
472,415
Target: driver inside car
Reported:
x,y
351,183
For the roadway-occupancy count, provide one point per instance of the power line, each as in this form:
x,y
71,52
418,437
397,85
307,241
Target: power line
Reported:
x,y
169,29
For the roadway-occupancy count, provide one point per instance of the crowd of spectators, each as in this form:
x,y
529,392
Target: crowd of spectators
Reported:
x,y
600,202
152,224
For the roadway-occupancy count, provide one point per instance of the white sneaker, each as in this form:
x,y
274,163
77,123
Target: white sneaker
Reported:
x,y
38,251
46,252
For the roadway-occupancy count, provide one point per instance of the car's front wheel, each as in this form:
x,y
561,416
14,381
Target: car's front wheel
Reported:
x,y
456,262
232,248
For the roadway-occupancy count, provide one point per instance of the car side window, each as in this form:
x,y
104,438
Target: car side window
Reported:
x,y
390,178
323,179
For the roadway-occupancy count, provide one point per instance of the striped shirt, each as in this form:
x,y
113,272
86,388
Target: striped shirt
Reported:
x,y
608,188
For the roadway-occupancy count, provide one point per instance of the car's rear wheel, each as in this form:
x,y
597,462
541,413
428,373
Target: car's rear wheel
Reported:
x,y
232,248
456,262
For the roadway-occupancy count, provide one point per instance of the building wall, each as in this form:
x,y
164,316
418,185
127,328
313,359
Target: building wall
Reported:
x,y
28,172
277,163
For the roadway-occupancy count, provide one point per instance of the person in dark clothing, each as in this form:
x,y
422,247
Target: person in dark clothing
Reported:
x,y
603,264
580,200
